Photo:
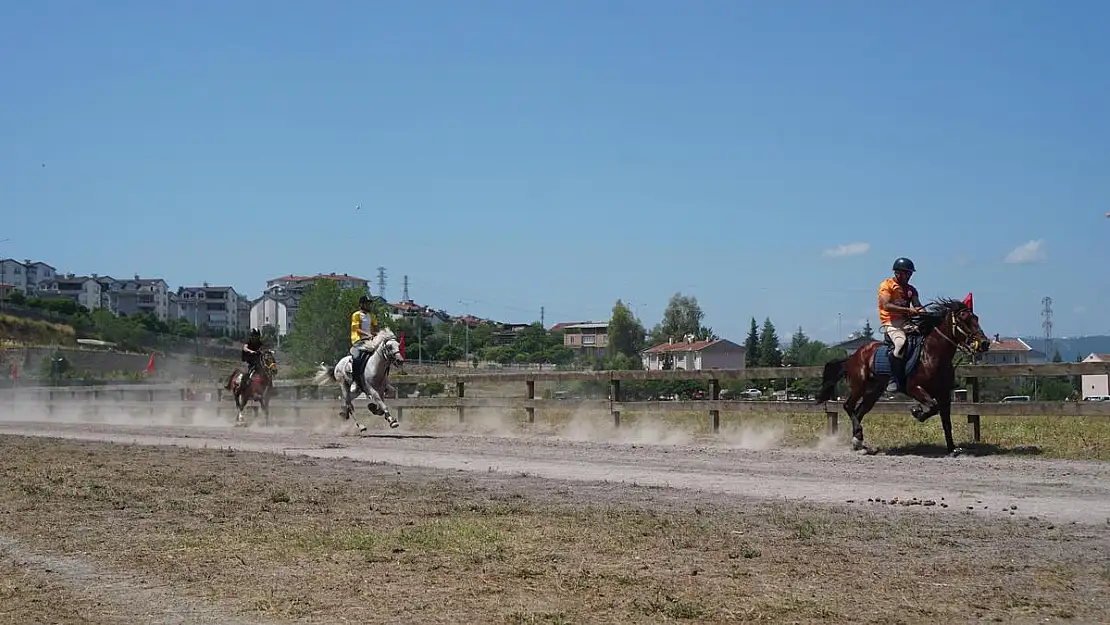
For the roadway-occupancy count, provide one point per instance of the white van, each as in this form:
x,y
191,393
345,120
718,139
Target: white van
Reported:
x,y
1013,398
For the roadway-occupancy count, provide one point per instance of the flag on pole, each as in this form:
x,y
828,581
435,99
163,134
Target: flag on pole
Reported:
x,y
150,363
402,344
968,302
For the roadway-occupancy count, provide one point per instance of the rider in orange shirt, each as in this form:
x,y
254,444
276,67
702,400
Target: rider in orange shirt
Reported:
x,y
898,302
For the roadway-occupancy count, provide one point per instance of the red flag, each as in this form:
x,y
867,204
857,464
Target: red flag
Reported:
x,y
150,363
968,302
402,342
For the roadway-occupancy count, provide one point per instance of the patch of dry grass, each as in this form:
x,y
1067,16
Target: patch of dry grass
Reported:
x,y
320,541
32,596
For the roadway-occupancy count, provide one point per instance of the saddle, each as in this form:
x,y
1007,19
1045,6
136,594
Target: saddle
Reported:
x,y
911,353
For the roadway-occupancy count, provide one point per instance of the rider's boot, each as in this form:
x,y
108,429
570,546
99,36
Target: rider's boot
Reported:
x,y
245,382
356,373
897,374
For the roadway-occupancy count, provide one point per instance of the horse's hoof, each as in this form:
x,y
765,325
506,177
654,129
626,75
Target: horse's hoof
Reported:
x,y
857,444
361,428
391,421
956,452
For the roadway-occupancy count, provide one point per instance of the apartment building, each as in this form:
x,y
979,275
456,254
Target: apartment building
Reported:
x,y
81,290
216,308
25,276
135,296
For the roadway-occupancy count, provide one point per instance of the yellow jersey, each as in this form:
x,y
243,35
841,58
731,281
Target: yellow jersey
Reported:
x,y
898,296
364,321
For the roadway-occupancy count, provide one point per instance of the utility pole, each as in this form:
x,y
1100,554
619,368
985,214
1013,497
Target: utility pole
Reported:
x,y
381,282
542,324
405,289
1046,323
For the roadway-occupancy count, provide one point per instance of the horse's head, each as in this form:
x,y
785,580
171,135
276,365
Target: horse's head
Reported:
x,y
388,346
958,323
269,361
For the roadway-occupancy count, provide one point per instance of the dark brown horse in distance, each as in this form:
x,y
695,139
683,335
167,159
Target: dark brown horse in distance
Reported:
x,y
947,326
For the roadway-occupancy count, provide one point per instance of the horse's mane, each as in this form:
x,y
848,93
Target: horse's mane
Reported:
x,y
382,336
936,311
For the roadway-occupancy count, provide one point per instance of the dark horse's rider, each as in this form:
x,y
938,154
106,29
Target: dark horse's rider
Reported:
x,y
898,302
252,355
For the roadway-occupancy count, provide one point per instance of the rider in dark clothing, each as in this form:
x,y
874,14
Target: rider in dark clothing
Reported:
x,y
252,355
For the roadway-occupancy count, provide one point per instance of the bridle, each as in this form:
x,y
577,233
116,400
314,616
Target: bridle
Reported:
x,y
966,342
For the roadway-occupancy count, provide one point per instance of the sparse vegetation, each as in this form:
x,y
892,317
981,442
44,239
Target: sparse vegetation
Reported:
x,y
35,332
313,541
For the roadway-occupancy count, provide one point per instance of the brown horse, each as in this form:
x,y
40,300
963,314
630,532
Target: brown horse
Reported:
x,y
945,327
259,388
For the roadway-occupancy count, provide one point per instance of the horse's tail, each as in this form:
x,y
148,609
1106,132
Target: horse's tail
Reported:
x,y
834,371
324,375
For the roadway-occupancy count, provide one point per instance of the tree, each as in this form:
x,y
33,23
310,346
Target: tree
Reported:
x,y
626,333
682,316
751,346
322,332
269,335
798,344
770,355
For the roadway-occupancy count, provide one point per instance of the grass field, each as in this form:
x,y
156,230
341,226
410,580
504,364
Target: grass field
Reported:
x,y
265,537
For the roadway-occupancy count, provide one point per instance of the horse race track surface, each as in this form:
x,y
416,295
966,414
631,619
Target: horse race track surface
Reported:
x,y
110,524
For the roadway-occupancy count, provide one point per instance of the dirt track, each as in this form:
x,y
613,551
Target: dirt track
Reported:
x,y
1064,491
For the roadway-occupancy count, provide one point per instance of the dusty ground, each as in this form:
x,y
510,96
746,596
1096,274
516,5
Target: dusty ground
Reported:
x,y
534,529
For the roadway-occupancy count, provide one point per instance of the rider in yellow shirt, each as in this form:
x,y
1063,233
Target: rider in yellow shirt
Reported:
x,y
363,327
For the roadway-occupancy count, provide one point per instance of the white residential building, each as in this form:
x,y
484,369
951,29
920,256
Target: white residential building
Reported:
x,y
25,276
270,311
1010,351
81,290
1097,384
691,354
213,307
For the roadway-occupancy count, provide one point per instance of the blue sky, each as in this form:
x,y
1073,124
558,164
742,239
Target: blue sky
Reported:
x,y
564,154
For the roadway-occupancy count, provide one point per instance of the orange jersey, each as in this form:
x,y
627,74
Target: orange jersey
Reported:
x,y
890,288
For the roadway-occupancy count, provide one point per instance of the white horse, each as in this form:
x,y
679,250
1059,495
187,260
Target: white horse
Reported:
x,y
386,352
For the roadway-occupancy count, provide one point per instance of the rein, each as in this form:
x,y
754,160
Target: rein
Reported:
x,y
961,346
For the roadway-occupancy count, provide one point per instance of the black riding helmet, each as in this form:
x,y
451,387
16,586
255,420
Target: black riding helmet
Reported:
x,y
904,264
363,300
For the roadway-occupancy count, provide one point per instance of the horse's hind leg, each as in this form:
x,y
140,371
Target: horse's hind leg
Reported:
x,y
866,403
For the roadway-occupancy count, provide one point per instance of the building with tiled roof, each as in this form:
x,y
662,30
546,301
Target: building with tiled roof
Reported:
x,y
693,354
1010,351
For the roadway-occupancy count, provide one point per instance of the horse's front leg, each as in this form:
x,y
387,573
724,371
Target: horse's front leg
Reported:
x,y
240,404
946,422
925,400
377,406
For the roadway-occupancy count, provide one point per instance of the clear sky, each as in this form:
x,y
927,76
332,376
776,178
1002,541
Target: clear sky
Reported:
x,y
564,154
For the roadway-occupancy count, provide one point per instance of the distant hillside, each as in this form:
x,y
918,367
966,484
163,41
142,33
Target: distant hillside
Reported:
x,y
1072,346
